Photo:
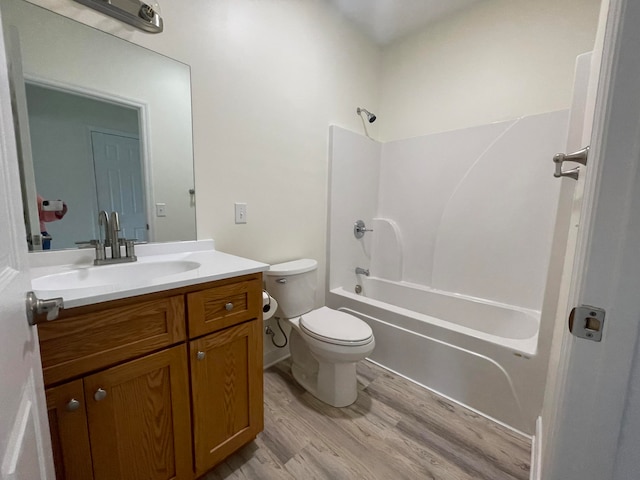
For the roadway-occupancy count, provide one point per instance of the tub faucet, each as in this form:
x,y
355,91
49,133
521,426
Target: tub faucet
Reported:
x,y
362,271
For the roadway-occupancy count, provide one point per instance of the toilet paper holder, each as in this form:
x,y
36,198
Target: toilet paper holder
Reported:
x,y
269,305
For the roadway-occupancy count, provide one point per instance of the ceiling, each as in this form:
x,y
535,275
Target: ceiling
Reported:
x,y
387,20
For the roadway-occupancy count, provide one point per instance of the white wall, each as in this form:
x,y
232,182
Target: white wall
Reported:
x,y
496,60
268,78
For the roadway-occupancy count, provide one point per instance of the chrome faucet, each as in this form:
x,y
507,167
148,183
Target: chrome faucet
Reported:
x,y
114,228
103,221
362,271
111,227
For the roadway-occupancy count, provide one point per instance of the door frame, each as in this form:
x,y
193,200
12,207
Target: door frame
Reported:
x,y
594,385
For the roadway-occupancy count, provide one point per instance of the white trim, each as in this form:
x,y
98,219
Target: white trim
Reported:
x,y
590,414
536,452
270,359
111,131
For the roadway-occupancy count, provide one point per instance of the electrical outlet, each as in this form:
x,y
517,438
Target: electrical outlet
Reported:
x,y
161,209
241,212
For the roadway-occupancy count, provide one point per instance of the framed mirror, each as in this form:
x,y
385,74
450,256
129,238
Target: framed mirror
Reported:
x,y
103,125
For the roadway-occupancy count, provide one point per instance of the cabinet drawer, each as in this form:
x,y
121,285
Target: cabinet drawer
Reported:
x,y
77,345
231,302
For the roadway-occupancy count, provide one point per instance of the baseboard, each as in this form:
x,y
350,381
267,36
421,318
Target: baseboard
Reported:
x,y
275,356
536,452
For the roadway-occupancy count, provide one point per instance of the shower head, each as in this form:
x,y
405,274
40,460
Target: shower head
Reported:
x,y
370,116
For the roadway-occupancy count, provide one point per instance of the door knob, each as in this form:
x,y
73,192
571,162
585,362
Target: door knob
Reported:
x,y
100,394
73,405
37,307
200,355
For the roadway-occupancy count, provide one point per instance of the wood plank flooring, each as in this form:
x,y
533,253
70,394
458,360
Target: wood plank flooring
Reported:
x,y
395,430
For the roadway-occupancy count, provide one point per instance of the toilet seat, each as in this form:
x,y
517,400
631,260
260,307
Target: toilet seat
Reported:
x,y
334,327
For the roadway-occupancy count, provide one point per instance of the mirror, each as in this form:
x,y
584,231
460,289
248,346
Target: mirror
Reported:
x,y
107,126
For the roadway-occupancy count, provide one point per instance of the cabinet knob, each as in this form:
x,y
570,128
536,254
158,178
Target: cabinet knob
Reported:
x,y
73,405
100,394
228,307
201,355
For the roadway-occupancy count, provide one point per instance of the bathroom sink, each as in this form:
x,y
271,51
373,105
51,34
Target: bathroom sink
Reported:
x,y
111,275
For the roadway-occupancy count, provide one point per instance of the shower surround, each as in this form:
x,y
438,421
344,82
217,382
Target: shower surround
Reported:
x,y
462,230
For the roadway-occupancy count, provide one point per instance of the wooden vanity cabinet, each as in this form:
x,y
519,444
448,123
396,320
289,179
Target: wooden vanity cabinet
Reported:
x,y
127,422
131,395
226,369
226,382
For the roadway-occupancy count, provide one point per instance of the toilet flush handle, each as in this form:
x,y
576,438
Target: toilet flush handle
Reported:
x,y
281,280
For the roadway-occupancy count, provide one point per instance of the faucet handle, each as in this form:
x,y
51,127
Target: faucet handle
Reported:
x,y
101,253
87,243
129,249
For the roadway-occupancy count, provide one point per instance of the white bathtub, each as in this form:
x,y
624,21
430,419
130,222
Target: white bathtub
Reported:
x,y
476,352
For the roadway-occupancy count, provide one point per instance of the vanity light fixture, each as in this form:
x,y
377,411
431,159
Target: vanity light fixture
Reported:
x,y
145,16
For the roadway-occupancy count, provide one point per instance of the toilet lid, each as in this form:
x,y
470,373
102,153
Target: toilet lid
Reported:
x,y
335,327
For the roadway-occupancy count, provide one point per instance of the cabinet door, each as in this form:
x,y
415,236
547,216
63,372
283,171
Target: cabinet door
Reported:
x,y
139,421
226,382
69,432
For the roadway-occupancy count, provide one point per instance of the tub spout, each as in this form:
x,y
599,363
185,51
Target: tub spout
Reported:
x,y
362,271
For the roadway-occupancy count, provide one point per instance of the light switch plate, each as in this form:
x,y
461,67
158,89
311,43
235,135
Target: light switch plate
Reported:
x,y
241,212
161,209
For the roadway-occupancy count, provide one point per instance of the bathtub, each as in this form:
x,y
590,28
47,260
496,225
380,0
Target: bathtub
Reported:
x,y
479,353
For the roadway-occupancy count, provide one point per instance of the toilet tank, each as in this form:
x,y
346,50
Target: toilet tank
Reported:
x,y
293,285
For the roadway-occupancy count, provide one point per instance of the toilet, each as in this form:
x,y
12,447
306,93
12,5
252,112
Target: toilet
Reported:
x,y
325,344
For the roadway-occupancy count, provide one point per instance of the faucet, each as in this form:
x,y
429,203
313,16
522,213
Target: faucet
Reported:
x,y
111,227
103,221
362,271
114,228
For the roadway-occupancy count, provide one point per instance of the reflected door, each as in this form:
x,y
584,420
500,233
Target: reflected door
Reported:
x,y
119,181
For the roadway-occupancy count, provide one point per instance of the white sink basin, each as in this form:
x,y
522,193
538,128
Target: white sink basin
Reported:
x,y
122,274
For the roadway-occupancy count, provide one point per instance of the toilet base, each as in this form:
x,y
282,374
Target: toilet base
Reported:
x,y
332,383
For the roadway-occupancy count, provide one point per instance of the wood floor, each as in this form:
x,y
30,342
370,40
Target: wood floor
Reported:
x,y
395,430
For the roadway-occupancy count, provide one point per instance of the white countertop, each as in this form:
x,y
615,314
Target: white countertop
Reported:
x,y
214,265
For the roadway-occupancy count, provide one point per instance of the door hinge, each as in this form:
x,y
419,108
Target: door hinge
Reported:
x,y
587,322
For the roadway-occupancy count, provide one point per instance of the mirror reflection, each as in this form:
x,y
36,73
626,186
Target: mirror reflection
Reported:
x,y
106,126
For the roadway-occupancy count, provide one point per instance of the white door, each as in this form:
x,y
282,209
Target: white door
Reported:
x,y
119,182
25,447
592,406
